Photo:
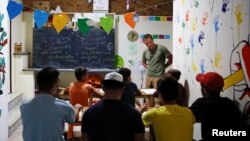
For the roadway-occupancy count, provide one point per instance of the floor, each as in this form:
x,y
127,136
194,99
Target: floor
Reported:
x,y
17,135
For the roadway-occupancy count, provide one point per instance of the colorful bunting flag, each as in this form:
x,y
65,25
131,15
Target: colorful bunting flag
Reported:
x,y
84,28
59,22
129,19
14,9
106,24
40,17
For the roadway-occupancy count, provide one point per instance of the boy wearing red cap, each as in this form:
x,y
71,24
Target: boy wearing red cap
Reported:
x,y
215,113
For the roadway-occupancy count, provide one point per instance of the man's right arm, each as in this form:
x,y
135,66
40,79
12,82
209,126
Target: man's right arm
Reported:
x,y
144,60
145,64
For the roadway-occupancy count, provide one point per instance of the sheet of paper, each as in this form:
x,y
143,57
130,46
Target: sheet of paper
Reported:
x,y
148,91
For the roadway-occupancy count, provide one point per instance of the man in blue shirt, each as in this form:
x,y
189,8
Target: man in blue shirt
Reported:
x,y
44,116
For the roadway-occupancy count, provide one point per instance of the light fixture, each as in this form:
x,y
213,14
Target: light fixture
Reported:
x,y
127,4
89,1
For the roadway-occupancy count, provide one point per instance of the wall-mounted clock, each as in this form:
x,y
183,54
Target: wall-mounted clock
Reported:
x,y
133,36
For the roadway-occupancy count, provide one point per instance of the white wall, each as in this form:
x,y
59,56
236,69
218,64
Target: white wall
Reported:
x,y
132,51
22,81
5,87
216,53
127,50
218,50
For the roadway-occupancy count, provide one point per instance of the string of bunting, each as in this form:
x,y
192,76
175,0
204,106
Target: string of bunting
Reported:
x,y
60,18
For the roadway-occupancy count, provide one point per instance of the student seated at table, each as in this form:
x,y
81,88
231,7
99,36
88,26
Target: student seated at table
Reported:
x,y
44,116
80,91
131,90
112,119
182,98
170,122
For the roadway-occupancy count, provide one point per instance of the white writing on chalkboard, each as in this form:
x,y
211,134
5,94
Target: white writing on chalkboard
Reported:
x,y
71,49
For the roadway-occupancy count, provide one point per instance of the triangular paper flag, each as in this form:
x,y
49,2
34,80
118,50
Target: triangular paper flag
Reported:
x,y
106,24
14,9
129,19
84,28
57,10
40,18
59,22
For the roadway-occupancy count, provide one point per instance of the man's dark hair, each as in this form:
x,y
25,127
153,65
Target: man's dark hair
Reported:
x,y
147,36
112,84
175,73
125,72
168,88
80,72
46,78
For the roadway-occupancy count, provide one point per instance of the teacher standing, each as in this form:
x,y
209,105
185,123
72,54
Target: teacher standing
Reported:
x,y
154,59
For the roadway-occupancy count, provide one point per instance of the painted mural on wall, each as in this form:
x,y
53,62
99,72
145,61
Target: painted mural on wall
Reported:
x,y
3,42
4,70
213,35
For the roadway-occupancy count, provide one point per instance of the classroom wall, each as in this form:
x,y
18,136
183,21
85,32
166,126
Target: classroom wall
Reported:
x,y
22,32
208,36
5,70
130,52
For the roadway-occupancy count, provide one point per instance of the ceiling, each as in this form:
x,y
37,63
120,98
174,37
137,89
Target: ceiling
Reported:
x,y
142,7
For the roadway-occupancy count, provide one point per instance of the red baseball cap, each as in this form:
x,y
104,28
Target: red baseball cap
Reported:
x,y
212,80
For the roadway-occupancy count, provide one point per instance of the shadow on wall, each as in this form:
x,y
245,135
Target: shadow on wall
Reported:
x,y
187,92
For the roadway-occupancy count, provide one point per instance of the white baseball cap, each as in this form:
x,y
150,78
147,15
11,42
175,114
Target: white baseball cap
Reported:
x,y
114,76
113,80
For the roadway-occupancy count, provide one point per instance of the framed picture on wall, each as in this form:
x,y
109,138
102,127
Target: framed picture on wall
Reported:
x,y
101,5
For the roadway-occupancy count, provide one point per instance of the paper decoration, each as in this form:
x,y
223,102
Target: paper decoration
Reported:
x,y
97,25
90,22
59,22
40,17
57,10
14,9
106,24
84,28
129,19
119,62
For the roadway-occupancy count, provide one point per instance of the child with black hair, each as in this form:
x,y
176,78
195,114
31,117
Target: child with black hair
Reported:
x,y
170,122
131,90
80,91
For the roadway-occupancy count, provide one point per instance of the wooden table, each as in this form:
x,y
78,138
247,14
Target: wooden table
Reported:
x,y
148,95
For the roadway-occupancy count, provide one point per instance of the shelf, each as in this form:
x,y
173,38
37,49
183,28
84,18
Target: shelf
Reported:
x,y
21,53
72,70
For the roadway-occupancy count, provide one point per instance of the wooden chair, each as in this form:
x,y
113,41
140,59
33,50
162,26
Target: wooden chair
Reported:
x,y
70,133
